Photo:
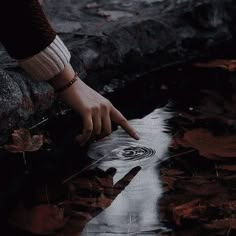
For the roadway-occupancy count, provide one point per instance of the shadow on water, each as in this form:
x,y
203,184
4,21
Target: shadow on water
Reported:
x,y
178,179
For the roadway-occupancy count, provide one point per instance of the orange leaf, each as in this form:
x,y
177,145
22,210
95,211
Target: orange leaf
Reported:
x,y
229,65
22,141
208,145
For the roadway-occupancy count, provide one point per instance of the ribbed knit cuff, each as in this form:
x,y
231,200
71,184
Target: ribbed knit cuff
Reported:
x,y
47,63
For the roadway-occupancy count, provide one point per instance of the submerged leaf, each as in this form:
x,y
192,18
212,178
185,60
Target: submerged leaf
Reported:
x,y
223,224
41,219
229,65
190,210
22,141
208,145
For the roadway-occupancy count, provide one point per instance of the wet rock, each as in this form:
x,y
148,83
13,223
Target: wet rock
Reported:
x,y
108,39
20,99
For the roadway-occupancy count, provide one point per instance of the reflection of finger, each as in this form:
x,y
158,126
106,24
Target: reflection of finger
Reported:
x,y
119,119
121,184
111,172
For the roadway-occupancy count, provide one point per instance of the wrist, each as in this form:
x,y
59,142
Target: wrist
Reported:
x,y
63,78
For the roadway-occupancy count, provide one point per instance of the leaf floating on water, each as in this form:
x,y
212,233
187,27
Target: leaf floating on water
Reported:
x,y
41,219
23,141
229,65
223,224
200,186
208,145
227,167
189,210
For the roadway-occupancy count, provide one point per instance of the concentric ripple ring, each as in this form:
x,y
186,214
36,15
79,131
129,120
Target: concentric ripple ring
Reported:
x,y
135,152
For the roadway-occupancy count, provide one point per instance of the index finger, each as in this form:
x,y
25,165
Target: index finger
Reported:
x,y
119,119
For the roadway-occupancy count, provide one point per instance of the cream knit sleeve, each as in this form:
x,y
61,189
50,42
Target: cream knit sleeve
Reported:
x,y
47,63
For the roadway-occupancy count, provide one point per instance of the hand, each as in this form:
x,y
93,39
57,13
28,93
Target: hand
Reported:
x,y
96,111
89,195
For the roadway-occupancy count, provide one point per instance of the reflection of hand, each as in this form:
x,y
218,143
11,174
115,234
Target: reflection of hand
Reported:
x,y
90,195
96,111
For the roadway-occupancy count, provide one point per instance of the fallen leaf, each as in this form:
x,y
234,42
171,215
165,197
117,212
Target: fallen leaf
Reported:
x,y
168,183
228,223
225,64
41,219
190,210
208,145
199,186
227,167
171,172
22,141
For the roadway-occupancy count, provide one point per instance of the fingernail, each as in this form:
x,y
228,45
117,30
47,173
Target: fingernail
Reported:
x,y
136,136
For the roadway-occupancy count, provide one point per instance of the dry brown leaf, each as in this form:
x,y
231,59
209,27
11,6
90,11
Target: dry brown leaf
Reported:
x,y
23,141
168,183
171,172
225,64
199,186
41,219
227,167
208,145
190,210
228,223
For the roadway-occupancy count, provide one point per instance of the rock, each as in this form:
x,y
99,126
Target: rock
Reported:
x,y
20,99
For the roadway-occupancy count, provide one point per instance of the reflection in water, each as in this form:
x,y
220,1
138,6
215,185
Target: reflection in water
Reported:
x,y
135,210
118,196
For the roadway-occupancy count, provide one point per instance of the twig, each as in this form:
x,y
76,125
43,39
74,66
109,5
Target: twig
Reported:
x,y
84,169
183,153
24,158
47,196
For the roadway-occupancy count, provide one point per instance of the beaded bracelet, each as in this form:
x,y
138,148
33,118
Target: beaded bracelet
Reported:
x,y
61,89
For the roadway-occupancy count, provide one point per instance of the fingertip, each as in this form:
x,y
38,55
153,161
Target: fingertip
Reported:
x,y
135,135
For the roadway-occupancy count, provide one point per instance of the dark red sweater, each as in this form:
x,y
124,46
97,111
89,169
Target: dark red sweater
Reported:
x,y
25,31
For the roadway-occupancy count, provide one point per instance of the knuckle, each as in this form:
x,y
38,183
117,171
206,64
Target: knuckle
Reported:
x,y
122,120
105,107
95,109
87,110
